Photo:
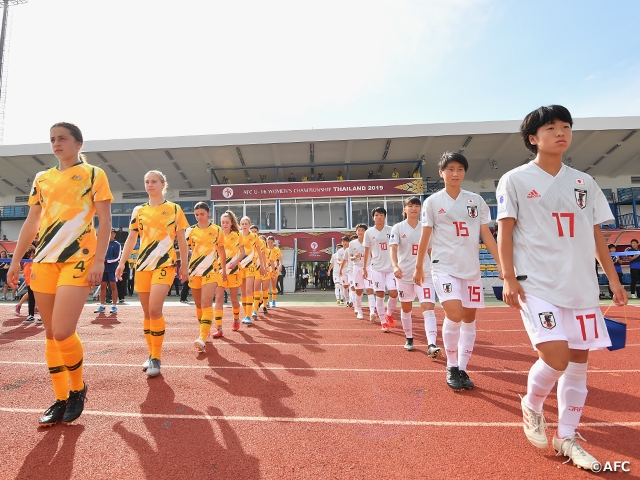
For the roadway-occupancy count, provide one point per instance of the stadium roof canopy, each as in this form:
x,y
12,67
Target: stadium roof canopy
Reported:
x,y
608,146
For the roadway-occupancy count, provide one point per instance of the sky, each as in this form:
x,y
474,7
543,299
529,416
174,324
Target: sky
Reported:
x,y
156,68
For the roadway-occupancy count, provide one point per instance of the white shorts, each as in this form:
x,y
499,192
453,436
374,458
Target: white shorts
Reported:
x,y
382,280
352,282
583,329
344,280
469,292
408,292
337,280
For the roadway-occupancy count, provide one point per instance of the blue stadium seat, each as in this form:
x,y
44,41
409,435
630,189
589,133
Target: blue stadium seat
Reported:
x,y
626,279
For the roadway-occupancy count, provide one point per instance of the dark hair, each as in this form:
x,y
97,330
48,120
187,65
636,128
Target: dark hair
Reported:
x,y
378,210
254,226
411,201
202,205
540,117
448,157
634,240
345,238
361,225
271,237
75,132
353,237
611,245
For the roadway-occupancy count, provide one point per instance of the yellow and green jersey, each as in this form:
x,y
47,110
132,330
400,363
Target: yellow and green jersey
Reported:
x,y
204,243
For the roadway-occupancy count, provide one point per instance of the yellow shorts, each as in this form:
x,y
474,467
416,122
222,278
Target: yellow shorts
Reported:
x,y
47,277
249,271
160,276
199,281
266,276
234,280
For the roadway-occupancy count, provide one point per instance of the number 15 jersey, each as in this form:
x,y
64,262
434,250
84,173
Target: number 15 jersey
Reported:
x,y
456,230
553,238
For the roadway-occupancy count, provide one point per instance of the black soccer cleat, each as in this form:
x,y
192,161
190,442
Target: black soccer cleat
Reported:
x,y
409,344
264,309
75,405
465,381
433,351
53,414
453,378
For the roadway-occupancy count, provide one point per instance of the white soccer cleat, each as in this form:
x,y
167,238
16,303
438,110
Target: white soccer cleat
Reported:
x,y
146,363
569,447
534,426
373,317
199,345
359,315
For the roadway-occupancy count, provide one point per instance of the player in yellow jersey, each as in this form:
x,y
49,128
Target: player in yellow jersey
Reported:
x,y
158,223
69,260
275,260
234,251
252,262
261,287
206,241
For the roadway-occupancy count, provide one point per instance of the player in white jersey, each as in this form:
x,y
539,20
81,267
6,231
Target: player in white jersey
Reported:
x,y
452,220
405,237
343,257
334,269
352,286
549,217
376,244
356,254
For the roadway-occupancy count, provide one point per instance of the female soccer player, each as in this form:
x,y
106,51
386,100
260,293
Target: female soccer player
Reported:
x,y
549,216
234,251
356,254
206,242
452,220
263,279
275,260
69,259
405,237
252,262
158,223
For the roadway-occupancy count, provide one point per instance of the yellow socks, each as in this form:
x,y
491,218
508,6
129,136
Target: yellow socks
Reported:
x,y
265,299
57,370
146,325
256,301
236,313
71,352
274,295
199,314
246,303
157,337
218,318
205,323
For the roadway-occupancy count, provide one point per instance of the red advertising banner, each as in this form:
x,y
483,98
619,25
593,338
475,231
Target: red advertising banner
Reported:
x,y
341,188
312,247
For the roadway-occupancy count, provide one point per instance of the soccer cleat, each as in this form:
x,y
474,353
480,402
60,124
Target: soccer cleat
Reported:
x,y
247,320
17,309
569,447
154,367
38,321
633,295
218,333
359,316
390,321
453,378
349,304
100,309
75,405
29,320
236,326
199,345
373,317
114,309
385,328
254,314
465,381
339,302
534,426
264,309
273,304
146,363
433,351
409,344
3,298
53,414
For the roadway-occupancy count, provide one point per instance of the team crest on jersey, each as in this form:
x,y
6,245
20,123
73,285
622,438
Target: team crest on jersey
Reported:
x,y
376,284
447,288
401,294
581,197
502,203
547,320
76,178
165,212
473,211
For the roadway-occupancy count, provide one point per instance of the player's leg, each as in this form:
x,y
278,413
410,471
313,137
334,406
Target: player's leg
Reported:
x,y
102,297
407,295
218,309
378,279
235,304
114,296
427,297
205,294
248,295
157,295
392,302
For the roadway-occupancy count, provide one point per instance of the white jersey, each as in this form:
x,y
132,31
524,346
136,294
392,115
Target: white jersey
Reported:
x,y
553,241
456,230
356,250
378,243
341,257
407,239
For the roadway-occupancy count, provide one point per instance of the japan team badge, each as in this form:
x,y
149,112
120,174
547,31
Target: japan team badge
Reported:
x,y
547,320
446,287
581,197
472,211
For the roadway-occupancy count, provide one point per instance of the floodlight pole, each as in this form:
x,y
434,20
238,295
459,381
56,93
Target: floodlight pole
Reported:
x,y
3,35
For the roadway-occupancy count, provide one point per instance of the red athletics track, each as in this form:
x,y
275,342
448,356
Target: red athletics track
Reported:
x,y
308,392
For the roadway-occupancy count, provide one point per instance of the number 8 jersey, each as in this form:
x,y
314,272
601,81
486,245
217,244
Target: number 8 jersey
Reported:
x,y
456,230
553,238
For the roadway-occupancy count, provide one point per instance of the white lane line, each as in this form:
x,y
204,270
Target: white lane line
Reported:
x,y
352,421
305,369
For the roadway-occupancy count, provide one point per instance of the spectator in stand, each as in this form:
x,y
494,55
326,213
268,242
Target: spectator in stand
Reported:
x,y
4,238
322,274
284,222
616,264
305,278
114,250
281,273
4,267
370,174
291,178
320,177
121,236
267,221
634,266
305,178
340,177
395,173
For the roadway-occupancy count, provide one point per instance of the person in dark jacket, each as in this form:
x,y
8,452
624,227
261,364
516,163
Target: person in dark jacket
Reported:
x,y
114,250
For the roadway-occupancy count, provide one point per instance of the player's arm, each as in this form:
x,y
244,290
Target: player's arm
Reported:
x,y
263,261
27,234
393,253
223,265
425,238
512,292
365,262
103,210
602,255
184,256
126,252
492,247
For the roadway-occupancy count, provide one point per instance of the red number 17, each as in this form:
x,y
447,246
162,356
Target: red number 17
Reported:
x,y
581,319
571,218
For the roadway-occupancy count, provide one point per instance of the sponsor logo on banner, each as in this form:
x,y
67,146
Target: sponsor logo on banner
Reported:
x,y
547,320
502,203
473,211
227,192
447,288
581,197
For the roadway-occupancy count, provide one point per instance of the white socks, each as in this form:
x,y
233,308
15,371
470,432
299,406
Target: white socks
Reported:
x,y
391,305
541,380
407,324
450,337
380,308
465,344
358,301
430,326
372,303
338,289
572,394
